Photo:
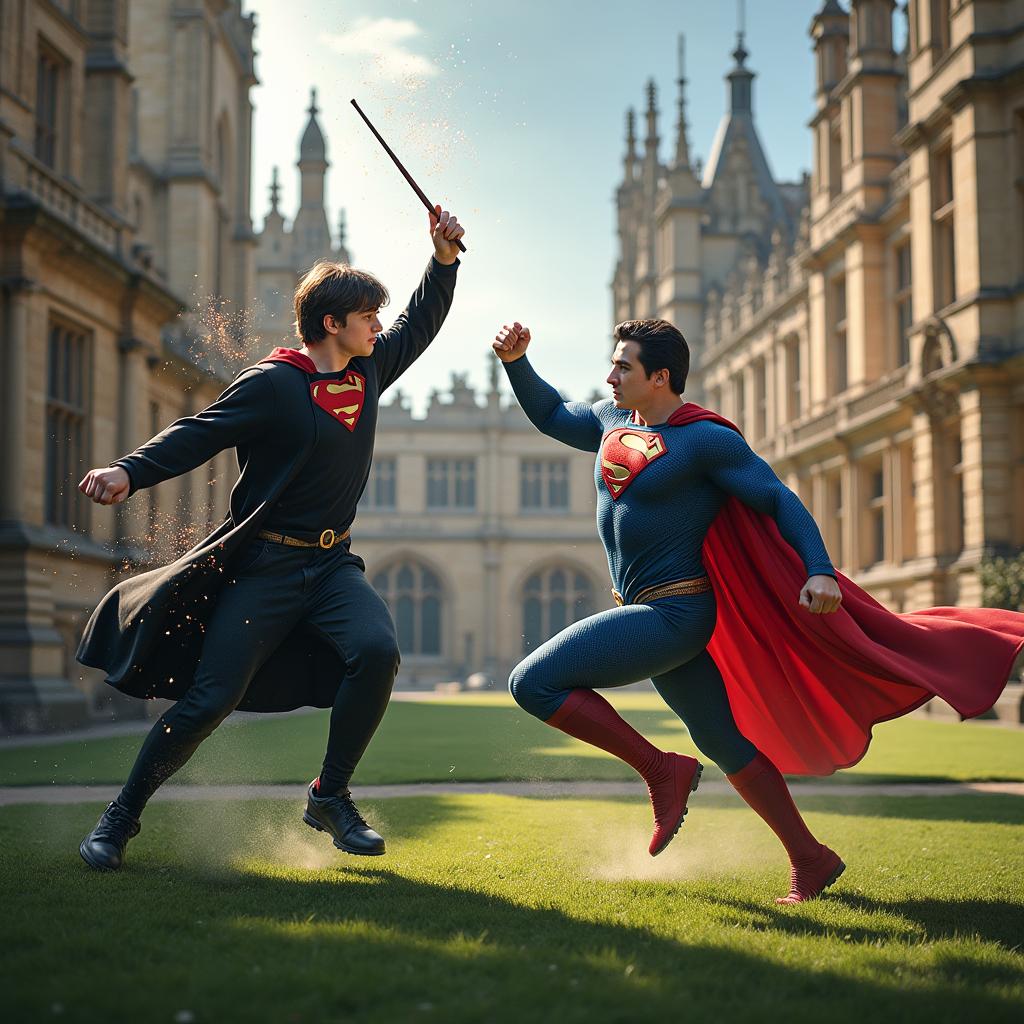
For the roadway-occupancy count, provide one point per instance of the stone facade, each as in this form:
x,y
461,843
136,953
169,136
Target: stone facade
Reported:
x,y
479,531
124,170
866,327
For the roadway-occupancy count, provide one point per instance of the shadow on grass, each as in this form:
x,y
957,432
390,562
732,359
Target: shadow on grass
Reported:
x,y
993,921
369,940
242,939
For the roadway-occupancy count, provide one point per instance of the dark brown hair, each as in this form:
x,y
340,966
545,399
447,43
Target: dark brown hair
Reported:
x,y
662,347
333,289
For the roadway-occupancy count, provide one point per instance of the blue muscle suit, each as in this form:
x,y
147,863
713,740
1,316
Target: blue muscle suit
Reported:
x,y
653,511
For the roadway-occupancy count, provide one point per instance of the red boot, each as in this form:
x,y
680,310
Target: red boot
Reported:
x,y
670,778
814,866
808,879
669,790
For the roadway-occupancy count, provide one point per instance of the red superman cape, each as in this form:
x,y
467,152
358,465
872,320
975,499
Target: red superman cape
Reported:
x,y
292,356
807,689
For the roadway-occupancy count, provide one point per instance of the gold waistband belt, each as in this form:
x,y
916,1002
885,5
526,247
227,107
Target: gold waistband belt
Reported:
x,y
327,539
698,585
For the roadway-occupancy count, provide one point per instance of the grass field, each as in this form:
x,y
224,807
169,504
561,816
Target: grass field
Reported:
x,y
501,908
492,908
484,738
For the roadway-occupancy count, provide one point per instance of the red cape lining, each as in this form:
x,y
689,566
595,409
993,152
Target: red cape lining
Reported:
x,y
807,689
291,356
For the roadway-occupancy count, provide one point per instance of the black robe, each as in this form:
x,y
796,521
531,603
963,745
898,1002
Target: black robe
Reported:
x,y
147,632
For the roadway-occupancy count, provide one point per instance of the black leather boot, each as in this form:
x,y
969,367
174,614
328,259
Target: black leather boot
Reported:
x,y
103,847
337,816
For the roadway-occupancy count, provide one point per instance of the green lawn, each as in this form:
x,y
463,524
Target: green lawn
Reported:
x,y
491,908
482,738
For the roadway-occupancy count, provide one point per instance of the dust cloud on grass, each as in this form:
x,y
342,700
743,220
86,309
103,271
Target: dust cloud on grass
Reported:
x,y
712,844
225,837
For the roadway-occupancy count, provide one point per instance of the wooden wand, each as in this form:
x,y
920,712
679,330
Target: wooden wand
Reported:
x,y
398,163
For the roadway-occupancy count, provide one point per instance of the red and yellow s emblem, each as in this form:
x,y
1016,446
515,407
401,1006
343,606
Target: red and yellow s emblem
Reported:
x,y
342,399
625,454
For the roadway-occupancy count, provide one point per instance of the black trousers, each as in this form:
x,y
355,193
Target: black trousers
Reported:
x,y
274,589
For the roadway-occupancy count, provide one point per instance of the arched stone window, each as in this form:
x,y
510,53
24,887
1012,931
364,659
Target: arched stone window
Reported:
x,y
552,599
415,596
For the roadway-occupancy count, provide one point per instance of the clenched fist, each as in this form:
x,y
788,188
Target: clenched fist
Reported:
x,y
820,595
108,486
510,343
445,232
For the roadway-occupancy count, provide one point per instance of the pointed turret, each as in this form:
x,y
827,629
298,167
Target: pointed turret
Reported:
x,y
651,141
679,212
313,162
629,161
275,191
741,78
626,203
311,236
682,143
341,253
871,95
743,192
871,37
273,223
313,148
493,377
830,30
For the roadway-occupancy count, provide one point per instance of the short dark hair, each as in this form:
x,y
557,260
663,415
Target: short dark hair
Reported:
x,y
333,289
662,347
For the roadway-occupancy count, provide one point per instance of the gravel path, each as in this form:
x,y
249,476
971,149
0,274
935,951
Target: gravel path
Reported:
x,y
10,795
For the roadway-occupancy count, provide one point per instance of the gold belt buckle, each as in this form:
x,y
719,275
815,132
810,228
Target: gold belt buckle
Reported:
x,y
327,540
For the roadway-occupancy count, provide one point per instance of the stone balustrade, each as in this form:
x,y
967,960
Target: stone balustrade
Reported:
x,y
27,175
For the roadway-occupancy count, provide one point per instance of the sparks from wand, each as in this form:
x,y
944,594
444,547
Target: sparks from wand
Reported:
x,y
398,163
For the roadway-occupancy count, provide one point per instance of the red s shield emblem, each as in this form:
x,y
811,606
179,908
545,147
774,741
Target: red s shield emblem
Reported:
x,y
342,399
625,454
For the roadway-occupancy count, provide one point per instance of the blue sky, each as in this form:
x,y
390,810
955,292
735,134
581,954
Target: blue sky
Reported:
x,y
512,115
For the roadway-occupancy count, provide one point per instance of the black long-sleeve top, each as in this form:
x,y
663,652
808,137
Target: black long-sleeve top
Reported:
x,y
262,415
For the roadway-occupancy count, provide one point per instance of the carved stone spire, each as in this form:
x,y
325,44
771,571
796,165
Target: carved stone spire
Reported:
x,y
630,158
312,148
682,144
275,192
651,142
741,77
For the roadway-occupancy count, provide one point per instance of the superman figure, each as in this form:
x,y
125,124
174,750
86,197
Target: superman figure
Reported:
x,y
728,601
272,611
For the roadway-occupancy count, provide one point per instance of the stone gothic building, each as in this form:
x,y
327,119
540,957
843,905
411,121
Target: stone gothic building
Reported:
x,y
285,252
865,328
479,532
124,205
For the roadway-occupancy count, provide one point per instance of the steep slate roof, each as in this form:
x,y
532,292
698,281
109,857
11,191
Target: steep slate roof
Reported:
x,y
737,123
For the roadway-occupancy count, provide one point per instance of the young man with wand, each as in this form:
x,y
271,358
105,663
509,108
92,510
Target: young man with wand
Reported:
x,y
272,611
728,601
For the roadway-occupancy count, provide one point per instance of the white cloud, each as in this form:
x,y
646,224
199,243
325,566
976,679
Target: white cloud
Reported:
x,y
385,42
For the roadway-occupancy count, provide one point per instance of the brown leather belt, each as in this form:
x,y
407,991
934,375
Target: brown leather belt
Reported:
x,y
698,585
327,539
